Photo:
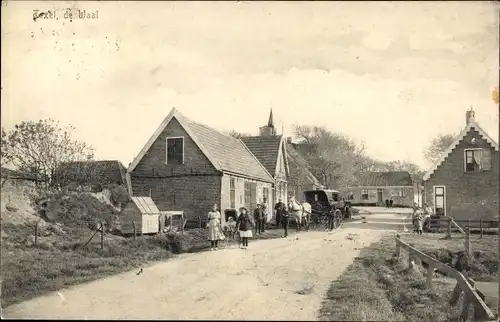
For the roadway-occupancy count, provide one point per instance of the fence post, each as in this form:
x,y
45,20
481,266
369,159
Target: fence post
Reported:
x,y
449,228
398,249
430,272
102,235
481,227
410,262
467,244
133,227
36,233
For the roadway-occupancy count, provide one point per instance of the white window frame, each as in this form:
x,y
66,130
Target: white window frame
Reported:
x,y
465,159
434,198
166,147
367,194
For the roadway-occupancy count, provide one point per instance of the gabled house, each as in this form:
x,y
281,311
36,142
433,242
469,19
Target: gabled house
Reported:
x,y
301,178
463,183
189,166
270,150
374,188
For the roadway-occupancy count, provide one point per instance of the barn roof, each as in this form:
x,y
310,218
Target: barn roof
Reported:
x,y
296,160
385,179
146,205
225,152
266,149
458,138
108,171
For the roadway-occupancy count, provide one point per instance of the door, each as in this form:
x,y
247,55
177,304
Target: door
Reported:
x,y
380,197
440,200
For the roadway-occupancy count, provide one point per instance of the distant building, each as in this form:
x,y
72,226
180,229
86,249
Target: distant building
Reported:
x,y
270,150
464,182
374,188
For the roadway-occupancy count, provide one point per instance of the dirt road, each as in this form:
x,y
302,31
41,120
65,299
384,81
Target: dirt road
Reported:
x,y
280,279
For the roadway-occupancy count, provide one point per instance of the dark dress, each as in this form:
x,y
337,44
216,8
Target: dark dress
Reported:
x,y
245,225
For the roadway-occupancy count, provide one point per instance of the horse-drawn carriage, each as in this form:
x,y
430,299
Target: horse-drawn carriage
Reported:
x,y
325,203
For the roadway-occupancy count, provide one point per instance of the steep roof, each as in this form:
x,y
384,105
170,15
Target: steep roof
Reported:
x,y
225,152
458,138
266,149
108,171
298,161
385,179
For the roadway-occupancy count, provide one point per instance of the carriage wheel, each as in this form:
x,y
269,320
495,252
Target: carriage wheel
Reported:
x,y
337,219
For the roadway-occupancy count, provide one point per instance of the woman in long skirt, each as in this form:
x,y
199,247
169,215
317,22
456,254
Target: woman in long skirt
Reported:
x,y
419,221
244,225
214,228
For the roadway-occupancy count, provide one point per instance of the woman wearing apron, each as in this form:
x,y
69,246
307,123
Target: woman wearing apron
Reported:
x,y
214,228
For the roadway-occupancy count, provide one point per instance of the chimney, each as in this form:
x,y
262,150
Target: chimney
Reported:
x,y
470,116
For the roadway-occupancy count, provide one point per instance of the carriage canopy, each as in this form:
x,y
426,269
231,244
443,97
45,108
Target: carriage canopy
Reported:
x,y
321,200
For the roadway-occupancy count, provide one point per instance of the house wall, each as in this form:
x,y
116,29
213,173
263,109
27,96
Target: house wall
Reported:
x,y
194,195
257,195
402,196
472,195
192,187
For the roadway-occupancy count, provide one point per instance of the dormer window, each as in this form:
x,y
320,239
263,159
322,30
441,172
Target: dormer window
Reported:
x,y
477,160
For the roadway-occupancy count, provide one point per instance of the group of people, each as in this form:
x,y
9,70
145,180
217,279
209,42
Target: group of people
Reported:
x,y
420,216
244,224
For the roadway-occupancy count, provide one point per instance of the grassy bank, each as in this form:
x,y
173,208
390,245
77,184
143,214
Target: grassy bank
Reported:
x,y
381,287
61,259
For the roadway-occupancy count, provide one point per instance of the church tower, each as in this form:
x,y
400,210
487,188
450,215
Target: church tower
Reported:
x,y
269,129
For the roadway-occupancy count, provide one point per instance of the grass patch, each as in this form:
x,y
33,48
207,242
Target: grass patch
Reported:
x,y
380,287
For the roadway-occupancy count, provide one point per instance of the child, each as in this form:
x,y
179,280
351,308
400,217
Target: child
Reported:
x,y
244,225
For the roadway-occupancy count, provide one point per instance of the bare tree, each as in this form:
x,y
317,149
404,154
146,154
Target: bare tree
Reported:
x,y
238,135
40,148
437,147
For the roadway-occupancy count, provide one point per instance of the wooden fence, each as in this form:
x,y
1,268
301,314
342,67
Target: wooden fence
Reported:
x,y
464,285
440,223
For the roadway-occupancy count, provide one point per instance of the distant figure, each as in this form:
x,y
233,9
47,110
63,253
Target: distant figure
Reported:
x,y
419,216
214,228
387,203
257,217
279,208
244,225
264,215
391,202
285,216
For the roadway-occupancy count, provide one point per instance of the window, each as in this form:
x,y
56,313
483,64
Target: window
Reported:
x,y
265,195
439,200
477,160
175,150
248,193
402,192
364,194
232,192
350,196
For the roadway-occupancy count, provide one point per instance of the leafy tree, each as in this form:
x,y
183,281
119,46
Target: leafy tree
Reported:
x,y
437,147
334,158
40,148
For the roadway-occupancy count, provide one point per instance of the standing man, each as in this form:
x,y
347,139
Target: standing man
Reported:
x,y
264,214
257,216
284,220
279,208
391,202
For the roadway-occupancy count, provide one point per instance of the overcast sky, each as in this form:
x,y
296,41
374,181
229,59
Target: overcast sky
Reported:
x,y
392,75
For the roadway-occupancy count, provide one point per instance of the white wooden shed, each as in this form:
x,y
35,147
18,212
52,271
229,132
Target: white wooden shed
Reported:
x,y
144,213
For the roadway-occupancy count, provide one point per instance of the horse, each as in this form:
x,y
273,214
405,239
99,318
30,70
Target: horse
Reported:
x,y
301,212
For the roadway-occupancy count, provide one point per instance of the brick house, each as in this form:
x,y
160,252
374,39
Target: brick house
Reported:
x,y
301,178
373,188
270,150
463,183
189,166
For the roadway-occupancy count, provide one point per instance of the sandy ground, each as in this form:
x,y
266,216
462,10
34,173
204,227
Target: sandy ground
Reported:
x,y
280,279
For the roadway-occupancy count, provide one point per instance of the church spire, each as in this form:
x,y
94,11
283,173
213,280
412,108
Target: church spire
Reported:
x,y
270,123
